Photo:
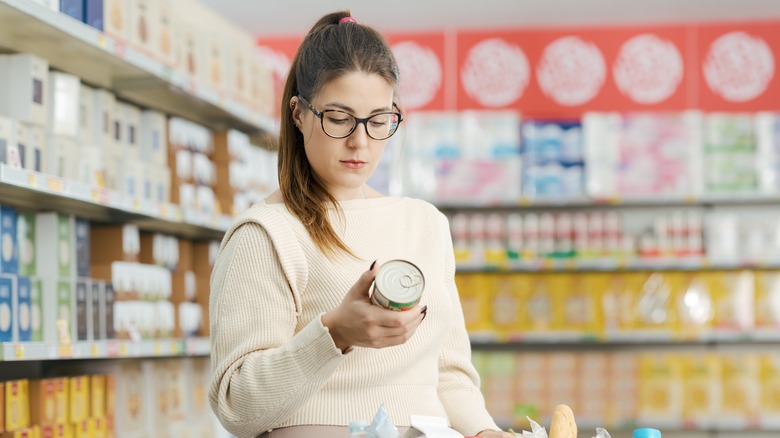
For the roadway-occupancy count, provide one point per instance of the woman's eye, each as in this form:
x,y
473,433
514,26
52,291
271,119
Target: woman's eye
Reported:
x,y
378,123
338,120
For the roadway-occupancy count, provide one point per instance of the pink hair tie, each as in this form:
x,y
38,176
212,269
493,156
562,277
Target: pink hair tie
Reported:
x,y
347,20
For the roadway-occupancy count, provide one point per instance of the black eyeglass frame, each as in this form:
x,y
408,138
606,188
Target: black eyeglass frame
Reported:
x,y
358,120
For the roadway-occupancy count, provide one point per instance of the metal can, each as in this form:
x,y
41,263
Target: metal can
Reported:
x,y
398,285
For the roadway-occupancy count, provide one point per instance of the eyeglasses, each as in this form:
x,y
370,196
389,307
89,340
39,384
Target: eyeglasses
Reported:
x,y
339,124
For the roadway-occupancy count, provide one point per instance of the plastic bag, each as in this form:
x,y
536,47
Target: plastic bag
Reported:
x,y
382,426
602,433
536,430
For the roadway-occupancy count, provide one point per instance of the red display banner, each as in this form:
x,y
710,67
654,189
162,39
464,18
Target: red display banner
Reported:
x,y
423,71
563,73
278,54
738,66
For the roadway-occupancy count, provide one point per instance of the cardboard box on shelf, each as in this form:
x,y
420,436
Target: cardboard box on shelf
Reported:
x,y
129,398
8,286
125,243
87,117
153,135
35,152
79,398
9,253
54,245
24,89
43,402
15,152
17,404
143,28
64,95
83,303
660,388
58,309
163,43
26,236
36,309
103,130
22,311
131,138
7,140
97,388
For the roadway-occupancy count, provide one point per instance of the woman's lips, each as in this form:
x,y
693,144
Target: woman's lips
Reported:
x,y
353,164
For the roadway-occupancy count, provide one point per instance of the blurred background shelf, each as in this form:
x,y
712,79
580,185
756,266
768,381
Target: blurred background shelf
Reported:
x,y
101,60
34,190
112,349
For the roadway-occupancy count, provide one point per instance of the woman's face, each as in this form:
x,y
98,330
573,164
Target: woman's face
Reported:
x,y
344,164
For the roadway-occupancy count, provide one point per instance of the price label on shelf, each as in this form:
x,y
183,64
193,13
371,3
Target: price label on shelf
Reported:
x,y
65,350
101,41
123,350
175,348
94,350
32,179
55,185
18,351
157,349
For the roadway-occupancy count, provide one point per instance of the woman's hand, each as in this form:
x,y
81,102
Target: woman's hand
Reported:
x,y
358,323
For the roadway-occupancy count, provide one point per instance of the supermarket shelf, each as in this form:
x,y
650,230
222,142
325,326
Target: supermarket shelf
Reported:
x,y
614,264
634,202
486,340
37,191
101,60
115,349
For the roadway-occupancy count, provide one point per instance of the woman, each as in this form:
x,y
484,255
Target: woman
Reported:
x,y
298,349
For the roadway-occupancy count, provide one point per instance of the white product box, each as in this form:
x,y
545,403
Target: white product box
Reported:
x,y
119,141
63,157
35,152
88,132
162,185
9,149
131,178
7,291
192,42
153,139
239,66
23,88
64,95
216,61
54,245
22,140
92,169
144,24
132,122
103,123
261,86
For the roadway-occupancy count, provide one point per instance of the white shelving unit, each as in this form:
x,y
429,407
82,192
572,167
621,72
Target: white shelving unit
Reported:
x,y
112,349
100,60
34,190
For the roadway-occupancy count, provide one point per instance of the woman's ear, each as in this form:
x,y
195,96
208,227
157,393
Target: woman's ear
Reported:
x,y
295,110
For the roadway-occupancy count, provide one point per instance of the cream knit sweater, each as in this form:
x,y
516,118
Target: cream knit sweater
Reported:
x,y
274,362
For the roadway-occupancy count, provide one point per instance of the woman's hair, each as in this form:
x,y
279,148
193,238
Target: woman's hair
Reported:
x,y
330,50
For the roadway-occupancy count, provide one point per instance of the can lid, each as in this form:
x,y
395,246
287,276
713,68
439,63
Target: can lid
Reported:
x,y
647,432
400,281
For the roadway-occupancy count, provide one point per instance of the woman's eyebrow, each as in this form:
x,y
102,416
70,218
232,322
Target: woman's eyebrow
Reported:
x,y
349,109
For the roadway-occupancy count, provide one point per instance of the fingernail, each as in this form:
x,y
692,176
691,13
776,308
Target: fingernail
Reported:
x,y
372,266
424,315
424,309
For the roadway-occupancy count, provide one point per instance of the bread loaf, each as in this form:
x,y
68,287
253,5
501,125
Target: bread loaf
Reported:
x,y
563,424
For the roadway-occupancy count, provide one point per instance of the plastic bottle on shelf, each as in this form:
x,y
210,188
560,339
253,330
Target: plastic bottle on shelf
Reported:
x,y
358,429
646,432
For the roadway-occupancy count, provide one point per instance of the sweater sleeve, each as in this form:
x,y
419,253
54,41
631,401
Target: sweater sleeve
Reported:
x,y
458,379
263,370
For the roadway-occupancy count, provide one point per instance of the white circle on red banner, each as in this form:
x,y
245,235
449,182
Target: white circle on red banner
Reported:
x,y
571,71
421,73
648,69
739,67
495,73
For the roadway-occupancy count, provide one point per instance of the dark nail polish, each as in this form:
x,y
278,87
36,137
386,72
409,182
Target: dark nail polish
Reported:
x,y
424,315
372,266
424,309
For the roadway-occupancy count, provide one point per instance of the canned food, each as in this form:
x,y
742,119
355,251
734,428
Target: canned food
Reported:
x,y
398,285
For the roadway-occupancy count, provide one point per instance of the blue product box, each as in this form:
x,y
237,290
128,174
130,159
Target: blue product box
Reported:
x,y
9,246
23,313
74,8
7,286
93,13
